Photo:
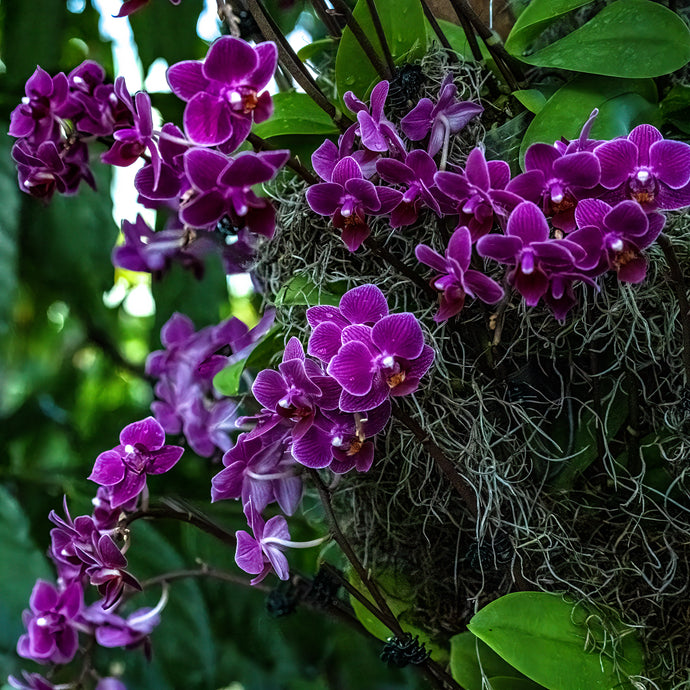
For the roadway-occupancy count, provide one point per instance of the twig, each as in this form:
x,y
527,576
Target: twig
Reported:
x,y
354,26
327,18
443,39
460,484
381,36
295,66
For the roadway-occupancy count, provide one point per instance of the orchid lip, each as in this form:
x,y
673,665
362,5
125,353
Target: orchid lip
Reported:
x,y
642,175
617,245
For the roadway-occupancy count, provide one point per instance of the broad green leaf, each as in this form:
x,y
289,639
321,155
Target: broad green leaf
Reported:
x,y
301,291
557,643
533,99
227,381
271,345
295,113
404,27
510,683
456,37
534,19
400,598
471,660
9,223
675,108
567,110
21,564
311,50
629,38
503,142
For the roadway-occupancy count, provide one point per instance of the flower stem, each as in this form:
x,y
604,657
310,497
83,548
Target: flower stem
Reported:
x,y
443,462
381,68
381,36
327,18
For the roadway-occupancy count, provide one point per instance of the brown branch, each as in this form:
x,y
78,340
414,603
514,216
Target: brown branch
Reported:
x,y
443,39
381,36
260,144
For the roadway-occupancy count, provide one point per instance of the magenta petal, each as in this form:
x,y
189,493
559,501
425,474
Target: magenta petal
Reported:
x,y
352,368
531,286
148,432
398,334
164,459
228,482
628,219
362,403
643,137
313,449
324,342
364,304
186,79
460,247
618,159
541,157
269,388
499,248
108,469
591,212
476,169
365,192
203,211
207,120
529,185
203,168
323,160
267,60
578,169
324,198
44,597
346,169
230,60
130,487
324,312
633,271
528,223
417,122
670,161
426,255
249,556
484,288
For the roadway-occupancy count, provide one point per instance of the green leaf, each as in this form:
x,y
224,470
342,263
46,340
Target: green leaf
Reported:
x,y
535,18
456,37
533,99
558,644
9,223
404,27
227,381
675,108
629,38
21,564
471,660
567,110
295,113
510,683
261,356
302,291
311,50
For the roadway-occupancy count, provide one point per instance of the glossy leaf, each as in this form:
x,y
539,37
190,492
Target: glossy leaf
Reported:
x,y
675,108
567,110
227,381
295,113
456,37
471,660
629,38
21,564
534,19
302,291
557,643
533,99
509,683
404,27
322,46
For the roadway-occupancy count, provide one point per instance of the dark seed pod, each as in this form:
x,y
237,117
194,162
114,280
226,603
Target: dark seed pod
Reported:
x,y
403,651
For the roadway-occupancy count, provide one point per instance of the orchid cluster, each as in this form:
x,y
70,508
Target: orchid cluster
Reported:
x,y
194,173
321,409
86,551
602,198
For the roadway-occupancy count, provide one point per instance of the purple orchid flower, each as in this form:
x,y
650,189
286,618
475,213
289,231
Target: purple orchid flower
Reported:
x,y
142,451
222,92
327,156
51,623
447,117
365,304
479,192
417,175
30,681
349,198
110,683
42,108
222,187
557,181
339,439
372,363
260,471
375,130
615,237
528,247
645,167
131,142
455,279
